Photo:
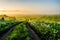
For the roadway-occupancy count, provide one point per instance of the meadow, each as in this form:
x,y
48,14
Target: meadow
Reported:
x,y
46,27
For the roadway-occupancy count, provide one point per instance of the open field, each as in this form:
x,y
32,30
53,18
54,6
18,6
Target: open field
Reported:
x,y
30,27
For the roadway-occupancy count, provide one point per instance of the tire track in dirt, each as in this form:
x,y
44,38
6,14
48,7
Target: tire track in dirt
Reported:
x,y
33,35
8,31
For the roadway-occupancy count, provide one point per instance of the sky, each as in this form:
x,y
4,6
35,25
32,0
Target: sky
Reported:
x,y
30,6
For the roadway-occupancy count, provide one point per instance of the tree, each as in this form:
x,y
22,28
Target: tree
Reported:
x,y
2,18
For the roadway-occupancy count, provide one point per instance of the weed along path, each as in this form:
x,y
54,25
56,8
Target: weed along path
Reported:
x,y
8,31
33,35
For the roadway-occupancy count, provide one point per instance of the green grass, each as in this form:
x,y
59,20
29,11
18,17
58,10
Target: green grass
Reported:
x,y
19,33
6,24
47,31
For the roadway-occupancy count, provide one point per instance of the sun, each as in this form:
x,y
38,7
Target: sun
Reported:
x,y
3,9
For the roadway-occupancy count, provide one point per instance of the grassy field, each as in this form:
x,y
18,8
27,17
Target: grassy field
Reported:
x,y
47,27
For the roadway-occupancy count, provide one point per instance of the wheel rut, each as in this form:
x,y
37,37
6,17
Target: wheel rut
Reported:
x,y
8,31
33,35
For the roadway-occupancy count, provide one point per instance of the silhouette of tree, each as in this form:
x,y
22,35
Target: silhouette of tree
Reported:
x,y
2,18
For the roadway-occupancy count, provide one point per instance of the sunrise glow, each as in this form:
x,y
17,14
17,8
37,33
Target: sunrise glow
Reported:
x,y
29,7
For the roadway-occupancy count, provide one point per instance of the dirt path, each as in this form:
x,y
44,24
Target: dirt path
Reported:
x,y
8,31
32,33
